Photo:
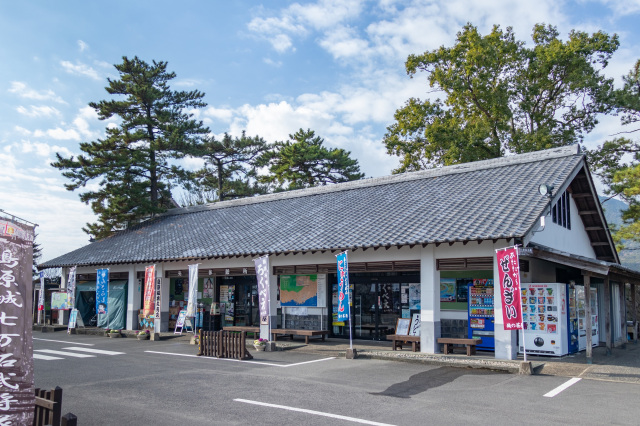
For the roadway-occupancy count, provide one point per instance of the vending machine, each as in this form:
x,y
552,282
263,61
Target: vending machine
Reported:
x,y
545,319
581,316
481,314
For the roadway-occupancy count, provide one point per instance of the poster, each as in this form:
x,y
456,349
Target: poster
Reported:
x,y
414,296
509,278
208,289
447,289
59,300
102,291
299,290
17,397
73,317
149,290
262,275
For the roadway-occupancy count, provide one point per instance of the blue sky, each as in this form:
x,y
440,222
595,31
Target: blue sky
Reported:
x,y
335,66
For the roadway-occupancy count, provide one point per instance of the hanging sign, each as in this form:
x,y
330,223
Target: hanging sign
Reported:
x,y
343,287
17,398
262,274
509,277
102,291
193,290
149,290
71,287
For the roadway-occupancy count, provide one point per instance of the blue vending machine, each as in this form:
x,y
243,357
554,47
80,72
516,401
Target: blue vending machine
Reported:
x,y
481,313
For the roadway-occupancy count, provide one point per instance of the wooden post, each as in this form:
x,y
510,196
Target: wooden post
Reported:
x,y
607,314
623,313
587,319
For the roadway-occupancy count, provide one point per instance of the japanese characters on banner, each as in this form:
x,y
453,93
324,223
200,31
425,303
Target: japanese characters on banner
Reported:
x,y
17,398
148,306
509,277
71,288
193,290
343,287
41,296
262,274
102,291
156,312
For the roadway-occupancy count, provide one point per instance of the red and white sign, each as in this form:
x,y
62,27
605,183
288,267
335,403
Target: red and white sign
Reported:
x,y
509,278
149,290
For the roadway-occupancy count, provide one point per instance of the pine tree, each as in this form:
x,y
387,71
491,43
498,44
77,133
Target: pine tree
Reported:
x,y
133,162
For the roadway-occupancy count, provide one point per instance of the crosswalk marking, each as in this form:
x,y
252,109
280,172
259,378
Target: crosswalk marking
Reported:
x,y
94,351
71,354
45,357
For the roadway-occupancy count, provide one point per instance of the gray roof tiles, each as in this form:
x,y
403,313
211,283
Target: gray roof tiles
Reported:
x,y
483,200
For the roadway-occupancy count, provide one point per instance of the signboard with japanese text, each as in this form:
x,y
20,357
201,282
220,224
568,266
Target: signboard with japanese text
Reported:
x,y
17,398
42,291
102,291
509,278
158,304
149,290
262,274
59,300
343,287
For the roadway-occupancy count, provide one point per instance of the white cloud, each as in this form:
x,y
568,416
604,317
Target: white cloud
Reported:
x,y
80,69
221,114
82,45
621,8
58,133
23,91
38,111
42,149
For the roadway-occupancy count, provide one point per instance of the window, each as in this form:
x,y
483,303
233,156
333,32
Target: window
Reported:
x,y
561,211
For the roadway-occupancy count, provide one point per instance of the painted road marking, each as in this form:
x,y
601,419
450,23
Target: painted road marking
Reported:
x,y
71,354
62,341
45,357
317,413
95,351
238,360
562,387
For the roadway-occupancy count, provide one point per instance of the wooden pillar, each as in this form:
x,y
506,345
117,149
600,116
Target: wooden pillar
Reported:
x,y
623,313
607,315
587,319
634,289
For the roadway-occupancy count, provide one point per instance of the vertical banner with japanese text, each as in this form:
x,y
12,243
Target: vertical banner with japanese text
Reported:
x,y
41,295
343,287
102,291
17,398
262,274
509,278
71,288
148,307
192,305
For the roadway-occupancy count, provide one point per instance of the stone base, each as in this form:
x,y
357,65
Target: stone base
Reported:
x,y
154,336
270,347
71,331
114,335
526,368
352,353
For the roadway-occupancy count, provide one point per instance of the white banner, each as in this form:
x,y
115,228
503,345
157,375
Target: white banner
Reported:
x,y
71,288
193,290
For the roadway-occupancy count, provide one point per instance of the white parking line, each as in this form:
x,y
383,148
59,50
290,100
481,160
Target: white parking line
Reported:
x,y
71,354
62,341
317,413
45,357
95,351
237,360
562,387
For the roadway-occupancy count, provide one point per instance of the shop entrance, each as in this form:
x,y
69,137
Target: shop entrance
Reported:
x,y
379,299
238,298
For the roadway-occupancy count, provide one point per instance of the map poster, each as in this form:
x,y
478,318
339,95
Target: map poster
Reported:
x,y
299,290
59,300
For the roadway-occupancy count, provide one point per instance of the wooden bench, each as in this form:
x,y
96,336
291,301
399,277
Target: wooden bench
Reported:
x,y
448,342
291,332
398,339
246,329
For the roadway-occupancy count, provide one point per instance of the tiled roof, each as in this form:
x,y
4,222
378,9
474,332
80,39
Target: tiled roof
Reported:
x,y
484,200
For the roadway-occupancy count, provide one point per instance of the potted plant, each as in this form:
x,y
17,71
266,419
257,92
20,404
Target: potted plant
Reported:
x,y
143,335
260,344
114,333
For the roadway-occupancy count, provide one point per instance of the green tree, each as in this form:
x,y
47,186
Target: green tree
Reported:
x,y
617,161
230,169
502,96
304,162
133,163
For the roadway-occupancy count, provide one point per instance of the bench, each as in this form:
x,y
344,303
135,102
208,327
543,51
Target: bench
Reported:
x,y
291,332
246,329
448,342
398,339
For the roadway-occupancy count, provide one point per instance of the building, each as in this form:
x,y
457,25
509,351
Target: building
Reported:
x,y
410,238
